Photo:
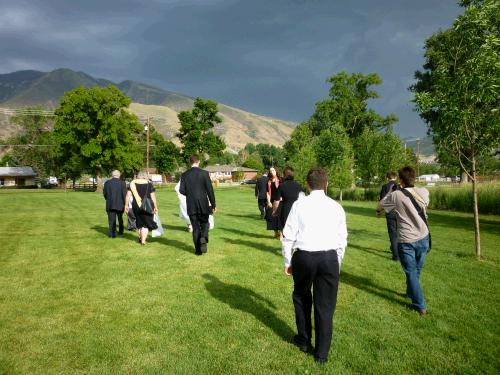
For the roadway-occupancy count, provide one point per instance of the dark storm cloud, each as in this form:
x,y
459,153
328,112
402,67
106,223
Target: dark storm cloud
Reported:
x,y
268,57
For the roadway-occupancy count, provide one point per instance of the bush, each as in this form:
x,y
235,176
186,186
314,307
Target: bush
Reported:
x,y
460,199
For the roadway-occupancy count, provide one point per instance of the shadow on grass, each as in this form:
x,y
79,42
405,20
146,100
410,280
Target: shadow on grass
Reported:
x,y
174,243
246,300
178,228
379,253
362,211
246,234
256,245
445,219
367,285
247,216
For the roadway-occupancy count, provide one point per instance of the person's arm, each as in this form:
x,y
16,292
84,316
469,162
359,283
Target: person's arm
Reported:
x,y
105,190
289,237
257,189
268,194
210,191
182,187
342,230
153,198
127,200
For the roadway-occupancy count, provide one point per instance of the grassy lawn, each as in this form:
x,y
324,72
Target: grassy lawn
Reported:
x,y
73,301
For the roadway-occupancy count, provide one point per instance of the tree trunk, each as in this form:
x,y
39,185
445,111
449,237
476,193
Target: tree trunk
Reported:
x,y
464,178
99,183
340,196
477,236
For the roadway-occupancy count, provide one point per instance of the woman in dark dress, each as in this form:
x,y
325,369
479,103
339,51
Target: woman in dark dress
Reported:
x,y
273,197
289,193
140,188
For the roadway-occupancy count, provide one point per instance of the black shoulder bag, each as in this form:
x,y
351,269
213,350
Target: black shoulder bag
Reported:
x,y
420,212
147,205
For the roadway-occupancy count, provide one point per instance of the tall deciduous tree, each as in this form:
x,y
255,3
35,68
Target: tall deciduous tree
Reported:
x,y
196,132
457,92
95,133
348,105
34,143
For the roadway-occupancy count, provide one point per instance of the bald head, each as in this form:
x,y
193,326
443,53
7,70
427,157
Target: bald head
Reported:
x,y
115,173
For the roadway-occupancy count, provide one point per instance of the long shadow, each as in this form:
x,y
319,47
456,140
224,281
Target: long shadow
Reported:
x,y
245,234
178,228
247,216
369,286
362,211
382,254
174,243
256,245
444,219
104,230
248,301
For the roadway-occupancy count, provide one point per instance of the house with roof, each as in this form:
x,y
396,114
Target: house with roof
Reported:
x,y
17,176
229,173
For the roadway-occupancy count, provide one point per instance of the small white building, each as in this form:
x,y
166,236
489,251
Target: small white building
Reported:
x,y
17,176
429,178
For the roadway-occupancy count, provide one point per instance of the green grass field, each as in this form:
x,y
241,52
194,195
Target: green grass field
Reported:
x,y
73,301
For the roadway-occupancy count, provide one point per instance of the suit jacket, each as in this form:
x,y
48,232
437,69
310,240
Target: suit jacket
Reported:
x,y
387,188
114,192
261,188
197,187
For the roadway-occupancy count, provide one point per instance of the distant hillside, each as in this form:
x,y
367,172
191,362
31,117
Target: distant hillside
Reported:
x,y
33,88
426,147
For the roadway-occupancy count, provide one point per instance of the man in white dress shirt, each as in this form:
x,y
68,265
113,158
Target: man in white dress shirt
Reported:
x,y
314,242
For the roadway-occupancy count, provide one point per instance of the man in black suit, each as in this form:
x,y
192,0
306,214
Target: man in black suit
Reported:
x,y
260,194
114,192
392,226
197,187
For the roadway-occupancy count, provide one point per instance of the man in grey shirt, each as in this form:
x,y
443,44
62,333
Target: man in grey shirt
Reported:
x,y
413,233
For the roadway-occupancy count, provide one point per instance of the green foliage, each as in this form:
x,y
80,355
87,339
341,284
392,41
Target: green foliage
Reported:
x,y
196,133
460,199
457,93
254,161
227,158
348,105
95,133
378,152
36,144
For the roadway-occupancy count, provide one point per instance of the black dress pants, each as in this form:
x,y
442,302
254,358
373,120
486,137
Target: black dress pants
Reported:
x,y
112,215
392,230
200,231
262,203
319,270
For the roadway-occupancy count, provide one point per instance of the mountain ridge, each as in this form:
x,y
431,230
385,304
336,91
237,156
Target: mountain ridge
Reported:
x,y
35,88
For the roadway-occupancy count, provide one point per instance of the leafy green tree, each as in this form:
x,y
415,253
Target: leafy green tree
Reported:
x,y
378,152
196,132
96,134
35,143
457,93
300,151
334,152
271,155
254,161
348,105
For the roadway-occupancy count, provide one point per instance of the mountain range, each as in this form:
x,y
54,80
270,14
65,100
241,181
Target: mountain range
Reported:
x,y
29,88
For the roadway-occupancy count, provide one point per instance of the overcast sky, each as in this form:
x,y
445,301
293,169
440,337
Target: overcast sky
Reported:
x,y
270,57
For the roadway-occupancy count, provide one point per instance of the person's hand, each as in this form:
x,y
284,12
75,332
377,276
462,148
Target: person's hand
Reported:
x,y
289,271
269,204
214,211
378,213
156,210
126,210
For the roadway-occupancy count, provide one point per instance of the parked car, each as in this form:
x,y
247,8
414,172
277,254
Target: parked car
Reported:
x,y
248,182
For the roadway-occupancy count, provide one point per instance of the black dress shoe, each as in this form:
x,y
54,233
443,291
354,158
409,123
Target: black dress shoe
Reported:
x,y
320,361
305,347
198,253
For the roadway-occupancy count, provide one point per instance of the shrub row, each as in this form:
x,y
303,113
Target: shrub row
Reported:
x,y
457,198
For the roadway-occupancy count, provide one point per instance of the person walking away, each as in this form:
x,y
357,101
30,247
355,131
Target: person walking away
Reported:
x,y
409,204
313,246
115,191
141,188
197,187
273,198
289,193
261,194
392,228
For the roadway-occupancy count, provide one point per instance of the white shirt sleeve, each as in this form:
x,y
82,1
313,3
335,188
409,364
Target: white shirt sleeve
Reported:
x,y
290,235
342,231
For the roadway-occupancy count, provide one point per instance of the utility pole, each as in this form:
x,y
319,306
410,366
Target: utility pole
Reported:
x,y
147,144
418,157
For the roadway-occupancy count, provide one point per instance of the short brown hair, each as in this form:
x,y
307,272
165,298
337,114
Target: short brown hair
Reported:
x,y
288,173
391,175
194,159
407,176
317,179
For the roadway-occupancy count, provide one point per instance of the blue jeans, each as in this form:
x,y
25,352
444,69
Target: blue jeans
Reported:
x,y
412,257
